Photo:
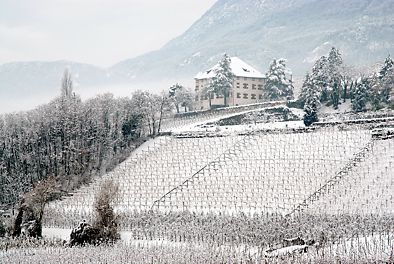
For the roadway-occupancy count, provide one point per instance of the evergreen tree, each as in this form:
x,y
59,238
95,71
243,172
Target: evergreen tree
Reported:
x,y
334,76
374,92
223,80
319,76
209,91
312,101
327,75
360,96
387,84
278,86
388,65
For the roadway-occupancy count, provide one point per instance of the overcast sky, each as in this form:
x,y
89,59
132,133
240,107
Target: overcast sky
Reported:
x,y
100,32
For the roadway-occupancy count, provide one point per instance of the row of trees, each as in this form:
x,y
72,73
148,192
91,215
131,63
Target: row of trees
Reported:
x,y
73,140
331,82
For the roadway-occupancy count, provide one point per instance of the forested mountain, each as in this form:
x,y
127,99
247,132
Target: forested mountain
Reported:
x,y
259,30
255,30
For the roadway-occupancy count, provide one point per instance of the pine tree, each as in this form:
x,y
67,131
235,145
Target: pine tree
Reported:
x,y
388,65
360,98
278,86
223,81
334,76
312,100
319,76
387,84
327,75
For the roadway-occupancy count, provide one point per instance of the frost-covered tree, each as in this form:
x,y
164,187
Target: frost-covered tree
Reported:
x,y
312,100
209,91
67,84
360,96
223,80
31,210
334,76
387,66
384,76
328,75
66,138
278,86
387,84
151,108
181,97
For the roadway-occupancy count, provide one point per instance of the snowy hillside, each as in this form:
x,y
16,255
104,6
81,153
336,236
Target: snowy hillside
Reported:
x,y
257,31
249,170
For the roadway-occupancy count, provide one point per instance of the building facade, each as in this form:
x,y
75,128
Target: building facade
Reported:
x,y
247,86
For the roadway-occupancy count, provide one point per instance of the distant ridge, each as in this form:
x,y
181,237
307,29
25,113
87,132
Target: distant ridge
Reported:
x,y
255,30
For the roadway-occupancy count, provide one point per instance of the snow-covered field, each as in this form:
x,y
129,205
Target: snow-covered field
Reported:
x,y
372,249
237,170
367,189
252,169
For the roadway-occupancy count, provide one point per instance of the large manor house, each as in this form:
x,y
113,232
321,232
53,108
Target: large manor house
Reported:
x,y
247,87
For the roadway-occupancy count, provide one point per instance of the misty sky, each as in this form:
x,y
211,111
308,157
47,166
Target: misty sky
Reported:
x,y
100,32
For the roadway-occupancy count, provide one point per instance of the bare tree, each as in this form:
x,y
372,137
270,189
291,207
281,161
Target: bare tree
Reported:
x,y
67,84
31,209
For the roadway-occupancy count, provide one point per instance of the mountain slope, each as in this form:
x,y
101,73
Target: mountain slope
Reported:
x,y
254,30
259,30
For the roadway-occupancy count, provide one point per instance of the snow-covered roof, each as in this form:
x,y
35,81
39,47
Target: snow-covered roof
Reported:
x,y
238,67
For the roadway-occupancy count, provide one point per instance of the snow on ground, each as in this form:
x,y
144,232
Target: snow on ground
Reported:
x,y
52,232
342,108
207,126
250,127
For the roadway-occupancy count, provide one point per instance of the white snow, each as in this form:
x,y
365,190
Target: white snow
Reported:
x,y
238,67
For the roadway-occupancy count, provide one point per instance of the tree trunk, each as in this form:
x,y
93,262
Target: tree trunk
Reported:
x,y
161,113
18,221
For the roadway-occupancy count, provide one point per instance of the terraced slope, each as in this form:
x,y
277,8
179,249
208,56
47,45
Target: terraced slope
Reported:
x,y
260,172
368,189
273,172
154,169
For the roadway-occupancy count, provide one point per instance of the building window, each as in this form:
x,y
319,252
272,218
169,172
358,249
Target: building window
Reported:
x,y
245,96
253,96
205,97
260,96
260,87
238,95
237,83
202,97
196,98
245,85
254,86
